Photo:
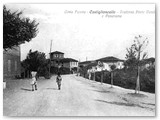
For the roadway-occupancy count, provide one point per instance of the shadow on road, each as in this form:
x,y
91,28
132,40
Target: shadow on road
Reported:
x,y
137,95
102,91
125,104
26,89
118,103
51,88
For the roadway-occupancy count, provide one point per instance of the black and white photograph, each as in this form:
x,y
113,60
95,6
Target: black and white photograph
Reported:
x,y
79,60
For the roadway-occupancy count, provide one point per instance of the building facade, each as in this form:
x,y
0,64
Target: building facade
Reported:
x,y
59,61
11,63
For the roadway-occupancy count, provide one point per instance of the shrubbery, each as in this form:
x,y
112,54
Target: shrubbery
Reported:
x,y
126,78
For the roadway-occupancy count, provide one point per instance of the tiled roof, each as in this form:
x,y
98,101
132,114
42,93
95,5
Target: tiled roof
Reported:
x,y
90,65
85,62
57,52
68,60
109,59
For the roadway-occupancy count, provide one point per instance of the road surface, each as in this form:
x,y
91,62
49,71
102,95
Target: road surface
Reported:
x,y
78,97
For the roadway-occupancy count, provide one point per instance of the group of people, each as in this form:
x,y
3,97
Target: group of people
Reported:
x,y
35,77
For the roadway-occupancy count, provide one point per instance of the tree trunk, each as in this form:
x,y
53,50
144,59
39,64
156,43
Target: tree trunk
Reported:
x,y
138,81
101,77
28,74
24,74
94,76
111,79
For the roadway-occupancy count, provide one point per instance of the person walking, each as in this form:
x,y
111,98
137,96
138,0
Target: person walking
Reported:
x,y
34,80
58,80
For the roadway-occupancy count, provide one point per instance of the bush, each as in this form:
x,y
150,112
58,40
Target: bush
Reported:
x,y
126,78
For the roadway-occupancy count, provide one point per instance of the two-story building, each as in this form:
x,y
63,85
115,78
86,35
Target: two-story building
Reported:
x,y
58,60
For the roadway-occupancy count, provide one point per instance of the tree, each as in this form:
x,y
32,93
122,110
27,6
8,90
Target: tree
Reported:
x,y
25,65
130,58
36,61
101,65
136,53
113,67
17,30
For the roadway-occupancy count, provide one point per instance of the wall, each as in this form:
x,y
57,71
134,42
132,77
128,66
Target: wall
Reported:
x,y
11,63
73,64
57,56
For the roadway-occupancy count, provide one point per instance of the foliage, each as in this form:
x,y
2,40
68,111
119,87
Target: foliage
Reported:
x,y
127,78
83,71
113,67
36,61
17,30
136,52
131,60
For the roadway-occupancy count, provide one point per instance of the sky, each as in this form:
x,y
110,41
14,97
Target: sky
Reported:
x,y
81,33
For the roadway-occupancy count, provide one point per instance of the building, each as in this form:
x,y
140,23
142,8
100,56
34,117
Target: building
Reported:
x,y
56,55
11,63
108,61
58,61
103,64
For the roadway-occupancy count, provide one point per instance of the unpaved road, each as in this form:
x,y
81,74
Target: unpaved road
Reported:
x,y
78,97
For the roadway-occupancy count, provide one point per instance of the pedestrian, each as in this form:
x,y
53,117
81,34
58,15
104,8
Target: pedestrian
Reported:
x,y
58,80
34,80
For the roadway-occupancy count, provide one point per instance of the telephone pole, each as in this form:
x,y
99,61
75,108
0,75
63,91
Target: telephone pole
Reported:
x,y
50,59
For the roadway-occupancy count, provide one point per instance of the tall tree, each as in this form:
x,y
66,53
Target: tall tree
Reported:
x,y
17,29
136,53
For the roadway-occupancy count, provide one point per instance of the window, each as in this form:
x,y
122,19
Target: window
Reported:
x,y
15,64
9,65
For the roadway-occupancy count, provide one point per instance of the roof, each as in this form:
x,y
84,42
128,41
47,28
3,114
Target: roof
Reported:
x,y
94,64
85,62
68,60
57,52
109,59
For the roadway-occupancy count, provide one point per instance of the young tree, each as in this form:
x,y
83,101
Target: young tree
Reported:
x,y
101,65
113,67
130,58
137,54
16,29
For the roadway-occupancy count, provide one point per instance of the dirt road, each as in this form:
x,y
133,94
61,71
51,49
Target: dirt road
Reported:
x,y
78,97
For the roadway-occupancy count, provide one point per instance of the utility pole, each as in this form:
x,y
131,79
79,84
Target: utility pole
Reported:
x,y
50,59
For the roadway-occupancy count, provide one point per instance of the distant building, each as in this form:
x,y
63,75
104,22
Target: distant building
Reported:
x,y
11,63
58,60
56,55
102,64
112,60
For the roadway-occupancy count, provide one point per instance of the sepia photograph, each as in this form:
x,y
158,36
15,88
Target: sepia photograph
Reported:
x,y
79,60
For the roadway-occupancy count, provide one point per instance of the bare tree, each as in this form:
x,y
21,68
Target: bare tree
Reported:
x,y
101,65
113,67
140,43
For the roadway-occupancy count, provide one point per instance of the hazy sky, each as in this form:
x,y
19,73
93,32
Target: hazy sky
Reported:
x,y
81,35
